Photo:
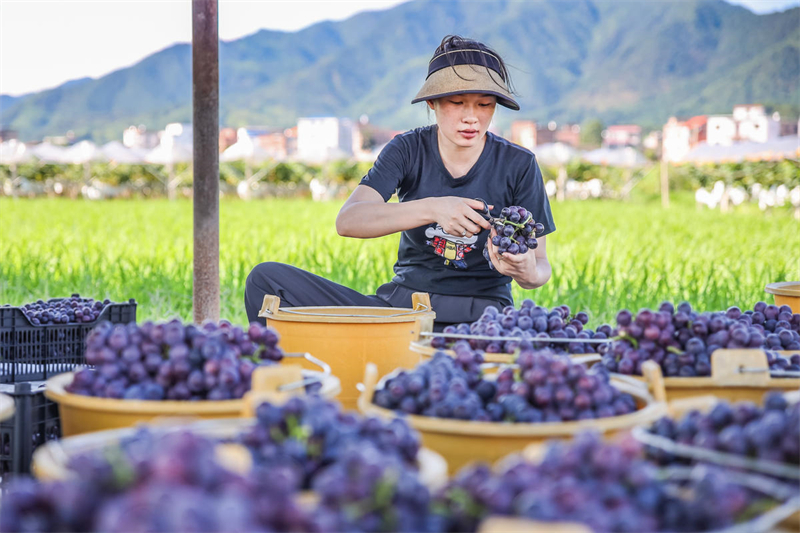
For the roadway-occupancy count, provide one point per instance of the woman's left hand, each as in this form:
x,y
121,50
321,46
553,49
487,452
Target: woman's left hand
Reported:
x,y
521,267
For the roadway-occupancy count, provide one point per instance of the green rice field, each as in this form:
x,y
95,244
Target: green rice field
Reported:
x,y
606,255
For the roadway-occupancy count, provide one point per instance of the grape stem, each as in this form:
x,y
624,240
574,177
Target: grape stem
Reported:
x,y
122,471
518,224
624,336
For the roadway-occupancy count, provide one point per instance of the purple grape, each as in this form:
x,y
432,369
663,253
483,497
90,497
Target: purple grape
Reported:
x,y
64,310
741,429
695,336
212,362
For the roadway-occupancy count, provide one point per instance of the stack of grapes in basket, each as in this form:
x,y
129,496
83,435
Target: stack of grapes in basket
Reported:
x,y
362,475
544,387
769,433
72,310
531,326
174,361
304,464
682,340
311,468
678,338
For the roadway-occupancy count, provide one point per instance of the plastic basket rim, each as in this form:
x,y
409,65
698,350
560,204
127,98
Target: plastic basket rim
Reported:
x,y
675,382
424,348
401,315
430,462
784,288
447,426
55,391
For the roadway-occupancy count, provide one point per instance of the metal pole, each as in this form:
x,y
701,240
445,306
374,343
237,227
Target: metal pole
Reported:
x,y
205,104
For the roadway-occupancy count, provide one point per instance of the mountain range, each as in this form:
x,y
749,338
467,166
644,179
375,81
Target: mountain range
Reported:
x,y
619,61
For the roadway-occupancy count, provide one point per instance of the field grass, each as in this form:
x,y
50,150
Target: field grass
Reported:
x,y
605,255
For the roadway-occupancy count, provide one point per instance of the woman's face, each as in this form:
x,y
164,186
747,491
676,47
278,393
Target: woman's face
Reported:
x,y
464,118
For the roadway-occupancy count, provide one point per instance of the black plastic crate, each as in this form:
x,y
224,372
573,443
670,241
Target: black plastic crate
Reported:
x,y
35,353
35,422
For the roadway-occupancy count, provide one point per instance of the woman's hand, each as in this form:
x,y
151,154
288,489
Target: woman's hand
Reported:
x,y
526,269
458,216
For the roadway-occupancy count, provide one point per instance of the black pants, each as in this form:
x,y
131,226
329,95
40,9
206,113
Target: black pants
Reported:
x,y
298,288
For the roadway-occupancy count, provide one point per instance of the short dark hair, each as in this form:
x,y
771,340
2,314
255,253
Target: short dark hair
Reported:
x,y
452,43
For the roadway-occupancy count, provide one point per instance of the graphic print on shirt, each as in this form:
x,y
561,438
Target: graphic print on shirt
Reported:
x,y
451,247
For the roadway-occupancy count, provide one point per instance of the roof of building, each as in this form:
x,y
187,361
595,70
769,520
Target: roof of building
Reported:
x,y
696,121
787,146
632,128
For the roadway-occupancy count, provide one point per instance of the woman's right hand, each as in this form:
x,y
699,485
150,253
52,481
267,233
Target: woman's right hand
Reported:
x,y
458,216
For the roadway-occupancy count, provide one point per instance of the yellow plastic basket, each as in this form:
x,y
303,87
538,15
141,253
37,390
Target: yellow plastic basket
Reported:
x,y
84,414
735,375
462,442
348,338
786,293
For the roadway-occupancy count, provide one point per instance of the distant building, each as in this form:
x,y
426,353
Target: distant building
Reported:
x,y
324,138
368,139
271,140
529,134
290,134
652,141
139,137
721,130
745,112
523,133
680,136
178,133
755,125
747,123
789,127
622,135
8,135
227,137
567,133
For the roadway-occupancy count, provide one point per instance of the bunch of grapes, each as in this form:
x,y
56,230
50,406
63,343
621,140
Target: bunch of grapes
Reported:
x,y
771,433
173,361
516,232
778,362
533,323
443,387
365,490
310,433
544,388
562,390
363,470
682,340
72,310
155,483
608,487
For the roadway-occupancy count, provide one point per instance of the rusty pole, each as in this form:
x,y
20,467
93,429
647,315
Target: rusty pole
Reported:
x,y
205,120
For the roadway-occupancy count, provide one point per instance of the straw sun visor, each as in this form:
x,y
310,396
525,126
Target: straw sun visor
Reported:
x,y
461,79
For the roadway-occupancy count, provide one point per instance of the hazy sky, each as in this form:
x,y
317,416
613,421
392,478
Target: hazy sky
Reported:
x,y
44,43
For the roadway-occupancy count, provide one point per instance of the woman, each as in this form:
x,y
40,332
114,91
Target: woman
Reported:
x,y
437,172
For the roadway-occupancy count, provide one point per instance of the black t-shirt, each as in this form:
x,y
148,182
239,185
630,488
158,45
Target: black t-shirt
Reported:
x,y
431,260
